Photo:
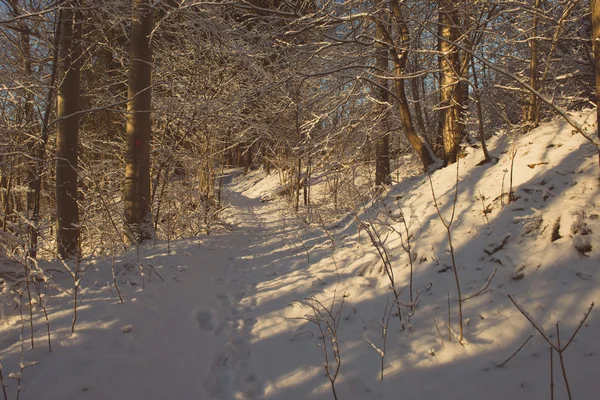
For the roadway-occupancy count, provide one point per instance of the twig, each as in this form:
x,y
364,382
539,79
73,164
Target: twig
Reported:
x,y
2,382
23,364
154,269
385,322
328,322
299,237
439,333
322,224
562,363
76,281
382,251
484,288
555,346
515,353
513,154
449,331
405,246
27,282
551,373
37,288
302,333
535,325
448,226
484,209
115,279
580,325
505,171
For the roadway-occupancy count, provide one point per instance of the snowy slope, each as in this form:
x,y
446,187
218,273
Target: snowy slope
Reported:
x,y
232,318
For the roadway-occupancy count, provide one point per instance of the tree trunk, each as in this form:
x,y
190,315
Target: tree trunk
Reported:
x,y
138,218
452,131
67,134
414,85
481,130
246,157
32,143
417,143
40,149
595,6
382,154
530,108
306,186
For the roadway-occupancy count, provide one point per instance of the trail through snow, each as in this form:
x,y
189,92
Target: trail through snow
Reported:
x,y
185,338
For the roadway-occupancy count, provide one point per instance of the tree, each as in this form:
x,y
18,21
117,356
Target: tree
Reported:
x,y
451,128
138,217
531,106
67,134
400,58
595,5
382,153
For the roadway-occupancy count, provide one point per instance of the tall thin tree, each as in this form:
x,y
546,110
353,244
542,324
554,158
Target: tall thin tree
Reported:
x,y
451,128
67,134
138,216
382,153
531,105
400,58
595,6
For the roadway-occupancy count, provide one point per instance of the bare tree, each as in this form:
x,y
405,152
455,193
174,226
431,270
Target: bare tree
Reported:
x,y
595,5
138,216
530,108
382,144
67,134
451,128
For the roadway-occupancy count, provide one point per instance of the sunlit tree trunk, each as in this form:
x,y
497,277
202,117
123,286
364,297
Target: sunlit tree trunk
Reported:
x,y
451,128
595,5
138,217
28,123
530,108
415,83
67,134
481,130
382,153
400,59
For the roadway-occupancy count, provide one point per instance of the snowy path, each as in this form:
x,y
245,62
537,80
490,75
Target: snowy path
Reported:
x,y
210,358
256,289
185,338
230,376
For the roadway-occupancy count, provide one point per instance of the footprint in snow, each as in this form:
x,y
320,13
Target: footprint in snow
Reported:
x,y
220,281
206,319
240,295
224,299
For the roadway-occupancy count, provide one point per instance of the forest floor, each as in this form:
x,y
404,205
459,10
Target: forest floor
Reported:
x,y
232,315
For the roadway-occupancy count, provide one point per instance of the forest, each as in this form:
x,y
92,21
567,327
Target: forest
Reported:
x,y
299,199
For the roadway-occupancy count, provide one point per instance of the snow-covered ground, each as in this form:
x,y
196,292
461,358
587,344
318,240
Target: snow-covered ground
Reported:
x,y
234,317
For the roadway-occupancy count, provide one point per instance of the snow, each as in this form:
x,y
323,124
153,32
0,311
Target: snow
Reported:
x,y
234,317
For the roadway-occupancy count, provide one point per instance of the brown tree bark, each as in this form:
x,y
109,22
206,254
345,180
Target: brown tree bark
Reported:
x,y
595,8
400,59
28,123
138,217
531,106
415,83
451,128
67,134
40,150
382,144
481,130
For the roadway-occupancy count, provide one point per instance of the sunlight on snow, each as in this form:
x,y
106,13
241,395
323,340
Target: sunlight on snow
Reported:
x,y
294,378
